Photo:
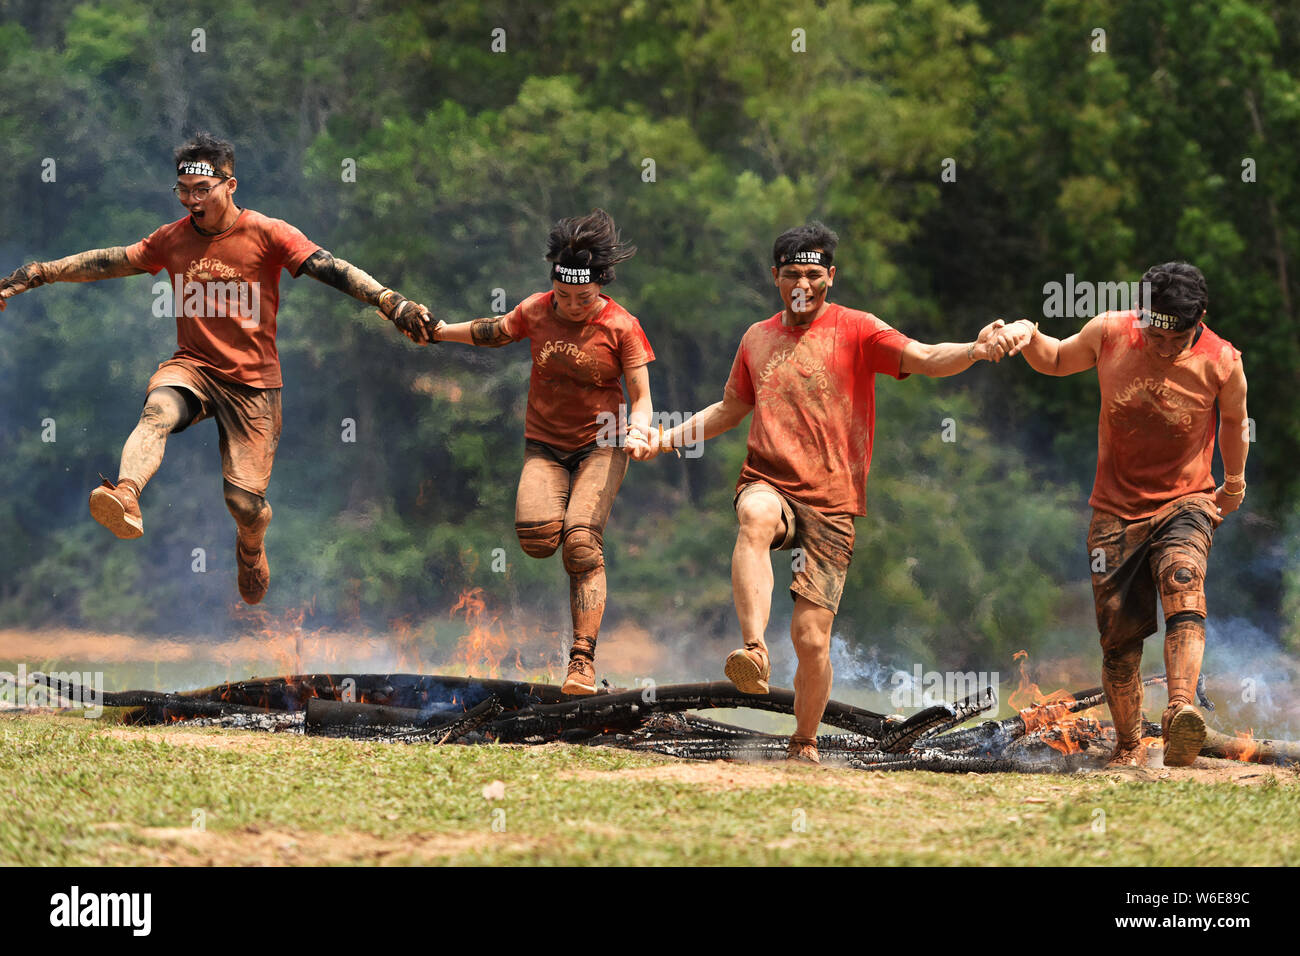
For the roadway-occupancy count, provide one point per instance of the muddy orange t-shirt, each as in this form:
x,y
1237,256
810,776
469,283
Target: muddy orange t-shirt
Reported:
x,y
577,366
226,290
1155,438
813,389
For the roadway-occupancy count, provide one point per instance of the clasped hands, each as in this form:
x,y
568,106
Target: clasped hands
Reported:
x,y
997,340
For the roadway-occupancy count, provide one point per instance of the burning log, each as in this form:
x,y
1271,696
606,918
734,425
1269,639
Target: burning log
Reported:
x,y
627,710
473,719
933,720
330,717
1249,749
1048,736
398,690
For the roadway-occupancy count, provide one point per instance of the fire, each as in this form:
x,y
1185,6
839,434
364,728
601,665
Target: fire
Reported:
x,y
1049,716
1027,693
1244,747
486,643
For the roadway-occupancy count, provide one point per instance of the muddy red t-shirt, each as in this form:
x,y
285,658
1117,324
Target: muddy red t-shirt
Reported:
x,y
226,290
1155,437
813,389
577,366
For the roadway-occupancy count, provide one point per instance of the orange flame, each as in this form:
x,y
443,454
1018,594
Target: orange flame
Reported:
x,y
1048,714
486,644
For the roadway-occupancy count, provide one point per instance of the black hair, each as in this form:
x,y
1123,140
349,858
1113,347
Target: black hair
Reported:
x,y
1178,288
814,235
208,149
589,242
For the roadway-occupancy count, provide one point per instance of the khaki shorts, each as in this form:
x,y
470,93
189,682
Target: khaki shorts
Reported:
x,y
1161,557
248,420
822,546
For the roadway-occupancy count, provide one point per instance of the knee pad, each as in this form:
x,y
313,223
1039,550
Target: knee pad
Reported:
x,y
1182,584
539,540
584,551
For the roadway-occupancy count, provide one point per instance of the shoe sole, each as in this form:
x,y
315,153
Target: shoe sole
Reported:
x,y
574,689
1186,737
745,674
109,512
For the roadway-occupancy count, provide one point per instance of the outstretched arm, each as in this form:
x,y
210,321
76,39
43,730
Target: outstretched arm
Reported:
x,y
1234,440
490,333
83,267
705,424
412,319
949,358
1052,356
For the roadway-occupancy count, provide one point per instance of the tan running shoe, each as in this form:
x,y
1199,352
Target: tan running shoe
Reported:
x,y
1183,731
749,668
117,508
581,679
1127,755
254,573
803,750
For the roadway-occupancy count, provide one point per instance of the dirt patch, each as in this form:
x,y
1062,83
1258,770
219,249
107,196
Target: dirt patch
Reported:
x,y
254,846
719,775
227,740
1208,770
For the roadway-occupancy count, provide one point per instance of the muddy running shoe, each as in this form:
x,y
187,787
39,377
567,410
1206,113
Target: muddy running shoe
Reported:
x,y
254,573
117,508
749,668
1183,730
581,679
803,750
1127,755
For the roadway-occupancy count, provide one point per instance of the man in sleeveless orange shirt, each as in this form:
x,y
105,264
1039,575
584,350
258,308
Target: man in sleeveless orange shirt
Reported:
x,y
224,262
1162,372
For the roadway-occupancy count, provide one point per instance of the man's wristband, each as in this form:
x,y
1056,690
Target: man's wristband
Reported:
x,y
389,306
1234,494
970,351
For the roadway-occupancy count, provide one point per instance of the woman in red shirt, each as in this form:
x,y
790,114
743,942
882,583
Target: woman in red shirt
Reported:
x,y
583,343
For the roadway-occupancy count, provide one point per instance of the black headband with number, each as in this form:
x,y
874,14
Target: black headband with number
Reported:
x,y
573,275
194,167
806,259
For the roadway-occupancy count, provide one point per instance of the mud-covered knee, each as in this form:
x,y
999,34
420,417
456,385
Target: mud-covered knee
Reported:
x,y
583,551
246,508
1182,585
1122,665
158,416
539,540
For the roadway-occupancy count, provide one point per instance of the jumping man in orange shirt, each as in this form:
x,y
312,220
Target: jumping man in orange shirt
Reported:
x,y
225,264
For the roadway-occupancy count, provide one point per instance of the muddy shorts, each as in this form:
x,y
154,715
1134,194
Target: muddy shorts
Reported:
x,y
560,491
1135,562
821,546
248,420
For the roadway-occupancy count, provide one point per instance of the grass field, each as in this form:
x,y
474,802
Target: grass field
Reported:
x,y
79,791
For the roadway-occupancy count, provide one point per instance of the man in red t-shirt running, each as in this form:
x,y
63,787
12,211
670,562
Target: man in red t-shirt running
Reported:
x,y
808,375
1162,373
224,262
